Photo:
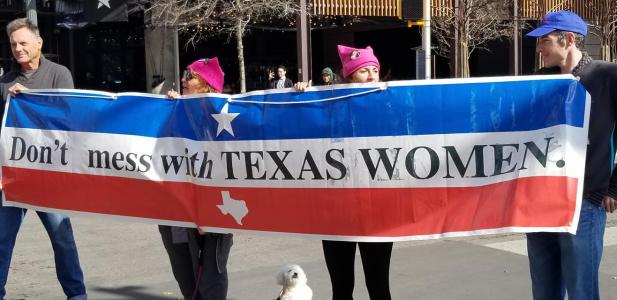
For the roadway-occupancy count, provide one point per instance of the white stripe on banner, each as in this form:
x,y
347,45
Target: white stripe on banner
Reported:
x,y
454,160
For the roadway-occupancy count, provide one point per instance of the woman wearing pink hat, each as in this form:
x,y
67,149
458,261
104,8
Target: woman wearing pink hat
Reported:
x,y
202,76
199,259
359,66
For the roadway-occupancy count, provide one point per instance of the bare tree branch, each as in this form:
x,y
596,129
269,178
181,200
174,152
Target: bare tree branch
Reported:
x,y
473,24
604,25
198,19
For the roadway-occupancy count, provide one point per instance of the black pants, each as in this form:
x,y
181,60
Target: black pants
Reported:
x,y
204,257
340,258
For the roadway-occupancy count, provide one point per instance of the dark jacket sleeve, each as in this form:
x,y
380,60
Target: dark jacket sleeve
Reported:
x,y
2,93
288,83
2,101
612,187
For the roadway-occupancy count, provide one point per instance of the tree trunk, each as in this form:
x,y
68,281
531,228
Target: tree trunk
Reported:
x,y
605,49
453,61
461,58
463,46
464,59
240,48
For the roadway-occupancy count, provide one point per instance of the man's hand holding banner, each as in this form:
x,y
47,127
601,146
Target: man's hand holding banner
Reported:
x,y
373,162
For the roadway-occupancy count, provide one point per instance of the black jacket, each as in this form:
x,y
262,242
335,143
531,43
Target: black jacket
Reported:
x,y
599,79
288,83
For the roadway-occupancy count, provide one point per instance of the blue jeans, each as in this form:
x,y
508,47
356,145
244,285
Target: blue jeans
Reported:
x,y
560,262
65,251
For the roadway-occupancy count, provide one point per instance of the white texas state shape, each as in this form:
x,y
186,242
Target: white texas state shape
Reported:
x,y
237,208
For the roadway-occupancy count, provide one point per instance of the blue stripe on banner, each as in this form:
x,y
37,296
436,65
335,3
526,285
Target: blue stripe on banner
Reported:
x,y
398,110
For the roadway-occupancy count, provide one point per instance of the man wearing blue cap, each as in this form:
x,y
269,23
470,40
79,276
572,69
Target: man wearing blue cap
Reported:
x,y
561,262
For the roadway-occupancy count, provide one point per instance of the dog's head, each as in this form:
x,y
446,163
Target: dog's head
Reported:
x,y
291,275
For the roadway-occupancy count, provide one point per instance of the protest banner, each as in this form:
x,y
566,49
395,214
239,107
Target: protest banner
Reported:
x,y
371,162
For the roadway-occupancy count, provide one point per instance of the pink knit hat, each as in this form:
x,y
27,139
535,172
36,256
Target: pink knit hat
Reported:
x,y
210,71
354,59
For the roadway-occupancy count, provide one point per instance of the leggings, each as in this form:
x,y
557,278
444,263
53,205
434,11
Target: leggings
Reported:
x,y
375,261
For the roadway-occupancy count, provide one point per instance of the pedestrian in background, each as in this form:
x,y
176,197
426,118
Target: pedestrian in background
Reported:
x,y
281,81
328,77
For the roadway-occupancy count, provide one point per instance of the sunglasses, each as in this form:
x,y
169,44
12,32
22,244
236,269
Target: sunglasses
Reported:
x,y
188,74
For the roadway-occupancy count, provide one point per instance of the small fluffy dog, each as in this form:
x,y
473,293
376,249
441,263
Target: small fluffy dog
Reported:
x,y
293,280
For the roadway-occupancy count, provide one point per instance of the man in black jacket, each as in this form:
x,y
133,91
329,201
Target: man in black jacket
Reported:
x,y
561,262
281,81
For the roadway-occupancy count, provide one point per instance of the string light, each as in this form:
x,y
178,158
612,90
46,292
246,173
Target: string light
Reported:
x,y
268,23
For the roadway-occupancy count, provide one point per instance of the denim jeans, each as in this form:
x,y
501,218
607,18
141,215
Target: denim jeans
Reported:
x,y
560,262
65,251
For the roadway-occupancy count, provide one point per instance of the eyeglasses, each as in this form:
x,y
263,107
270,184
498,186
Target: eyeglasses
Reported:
x,y
188,74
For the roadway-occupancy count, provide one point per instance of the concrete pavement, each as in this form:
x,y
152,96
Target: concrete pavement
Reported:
x,y
127,261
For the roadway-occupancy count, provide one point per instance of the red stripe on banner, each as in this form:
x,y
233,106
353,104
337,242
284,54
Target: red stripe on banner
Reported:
x,y
101,194
380,212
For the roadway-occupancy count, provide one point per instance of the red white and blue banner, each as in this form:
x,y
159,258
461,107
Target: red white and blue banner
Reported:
x,y
373,162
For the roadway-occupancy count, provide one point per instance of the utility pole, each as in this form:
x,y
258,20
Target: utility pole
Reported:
x,y
303,36
176,54
515,41
426,38
455,47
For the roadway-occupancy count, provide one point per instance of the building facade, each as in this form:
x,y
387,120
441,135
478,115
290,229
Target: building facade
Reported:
x,y
105,56
118,56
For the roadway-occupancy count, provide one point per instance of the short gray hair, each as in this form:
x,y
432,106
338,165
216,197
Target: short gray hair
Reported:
x,y
18,24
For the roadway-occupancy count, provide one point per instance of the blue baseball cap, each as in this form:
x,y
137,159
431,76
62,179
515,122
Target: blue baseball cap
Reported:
x,y
560,20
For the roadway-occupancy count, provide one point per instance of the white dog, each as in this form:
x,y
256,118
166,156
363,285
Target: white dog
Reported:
x,y
293,280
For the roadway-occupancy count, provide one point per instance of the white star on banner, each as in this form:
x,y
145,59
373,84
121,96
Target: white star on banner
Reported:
x,y
224,119
103,2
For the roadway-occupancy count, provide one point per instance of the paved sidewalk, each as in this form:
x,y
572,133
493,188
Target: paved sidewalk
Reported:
x,y
127,261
